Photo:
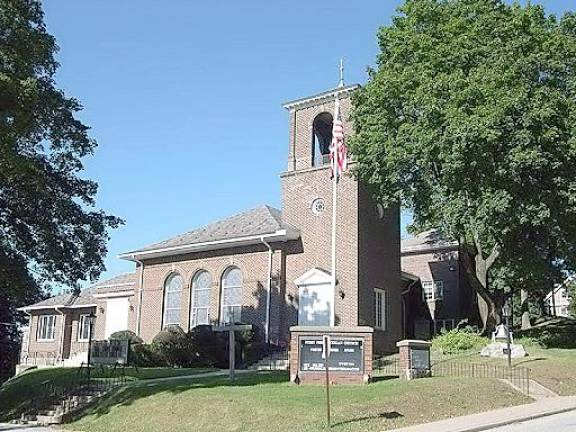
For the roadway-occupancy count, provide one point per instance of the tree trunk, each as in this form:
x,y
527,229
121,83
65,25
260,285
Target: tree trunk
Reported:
x,y
489,303
524,308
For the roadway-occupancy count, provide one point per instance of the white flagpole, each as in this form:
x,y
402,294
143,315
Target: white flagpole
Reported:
x,y
334,213
335,175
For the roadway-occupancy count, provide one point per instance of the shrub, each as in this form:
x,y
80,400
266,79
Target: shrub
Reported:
x,y
142,355
455,341
176,347
126,335
137,356
211,346
555,333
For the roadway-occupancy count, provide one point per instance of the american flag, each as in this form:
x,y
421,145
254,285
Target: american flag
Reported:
x,y
338,150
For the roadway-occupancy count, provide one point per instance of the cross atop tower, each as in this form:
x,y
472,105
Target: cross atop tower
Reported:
x,y
341,84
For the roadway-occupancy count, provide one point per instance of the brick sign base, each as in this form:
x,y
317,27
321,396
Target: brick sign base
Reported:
x,y
414,359
350,357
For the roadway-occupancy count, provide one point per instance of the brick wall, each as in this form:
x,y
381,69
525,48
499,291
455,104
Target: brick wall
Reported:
x,y
379,267
252,261
37,346
439,265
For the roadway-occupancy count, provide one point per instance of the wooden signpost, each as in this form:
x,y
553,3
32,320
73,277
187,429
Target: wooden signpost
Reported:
x,y
232,329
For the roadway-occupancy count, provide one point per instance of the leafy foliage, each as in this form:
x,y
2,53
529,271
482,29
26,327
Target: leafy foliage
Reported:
x,y
470,121
572,296
456,341
49,229
555,333
126,335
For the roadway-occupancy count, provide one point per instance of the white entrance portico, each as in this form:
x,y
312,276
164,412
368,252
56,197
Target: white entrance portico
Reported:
x,y
316,298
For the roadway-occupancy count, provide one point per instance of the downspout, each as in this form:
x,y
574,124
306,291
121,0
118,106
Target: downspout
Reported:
x,y
268,290
62,328
141,285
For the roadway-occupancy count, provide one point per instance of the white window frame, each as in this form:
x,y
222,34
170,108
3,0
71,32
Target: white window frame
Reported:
x,y
83,323
193,308
380,315
179,307
42,330
237,317
435,290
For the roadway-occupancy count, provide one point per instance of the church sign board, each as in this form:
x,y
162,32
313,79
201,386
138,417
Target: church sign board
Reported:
x,y
345,354
109,352
349,360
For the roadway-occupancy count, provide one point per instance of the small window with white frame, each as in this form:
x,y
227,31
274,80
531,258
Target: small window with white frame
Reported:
x,y
379,308
84,328
433,290
46,326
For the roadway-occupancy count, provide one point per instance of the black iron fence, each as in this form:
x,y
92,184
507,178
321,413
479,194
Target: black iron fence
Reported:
x,y
517,376
74,390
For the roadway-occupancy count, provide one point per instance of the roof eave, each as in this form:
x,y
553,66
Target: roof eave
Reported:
x,y
31,308
430,248
283,235
327,95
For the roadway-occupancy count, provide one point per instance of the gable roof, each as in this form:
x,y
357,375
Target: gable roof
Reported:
x,y
86,297
240,229
427,241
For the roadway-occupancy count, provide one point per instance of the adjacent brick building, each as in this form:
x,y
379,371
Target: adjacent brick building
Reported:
x,y
435,260
266,267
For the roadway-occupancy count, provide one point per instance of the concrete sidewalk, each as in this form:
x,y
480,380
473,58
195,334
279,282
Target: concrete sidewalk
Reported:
x,y
500,417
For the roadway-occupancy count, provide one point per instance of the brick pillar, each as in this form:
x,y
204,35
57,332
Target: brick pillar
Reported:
x,y
414,359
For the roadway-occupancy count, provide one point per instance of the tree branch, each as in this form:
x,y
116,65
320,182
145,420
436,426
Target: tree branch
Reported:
x,y
493,256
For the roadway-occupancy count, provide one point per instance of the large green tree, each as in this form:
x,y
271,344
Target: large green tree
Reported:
x,y
469,120
50,231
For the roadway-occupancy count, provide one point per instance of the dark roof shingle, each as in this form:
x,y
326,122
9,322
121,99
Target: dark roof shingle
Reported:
x,y
258,221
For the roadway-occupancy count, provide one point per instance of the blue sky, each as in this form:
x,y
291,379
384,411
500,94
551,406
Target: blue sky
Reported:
x,y
184,98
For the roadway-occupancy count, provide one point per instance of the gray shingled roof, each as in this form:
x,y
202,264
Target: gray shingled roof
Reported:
x,y
427,240
118,283
122,282
258,221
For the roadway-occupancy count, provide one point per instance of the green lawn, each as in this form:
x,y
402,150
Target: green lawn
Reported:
x,y
553,368
17,393
268,402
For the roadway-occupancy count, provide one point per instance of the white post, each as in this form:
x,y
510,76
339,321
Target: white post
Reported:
x,y
333,270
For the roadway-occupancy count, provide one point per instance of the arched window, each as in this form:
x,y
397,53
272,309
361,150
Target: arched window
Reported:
x,y
201,285
172,299
231,299
321,139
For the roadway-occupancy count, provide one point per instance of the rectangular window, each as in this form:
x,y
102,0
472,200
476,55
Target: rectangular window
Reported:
x,y
46,325
433,290
83,328
380,309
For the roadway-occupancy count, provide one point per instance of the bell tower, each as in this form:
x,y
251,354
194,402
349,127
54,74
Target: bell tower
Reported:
x,y
367,236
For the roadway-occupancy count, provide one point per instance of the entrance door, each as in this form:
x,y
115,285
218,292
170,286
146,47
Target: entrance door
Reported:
x,y
315,305
116,315
316,298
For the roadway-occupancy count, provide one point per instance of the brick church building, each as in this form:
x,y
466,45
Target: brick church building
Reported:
x,y
267,267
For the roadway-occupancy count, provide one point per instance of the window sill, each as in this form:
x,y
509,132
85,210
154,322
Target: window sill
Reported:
x,y
45,340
